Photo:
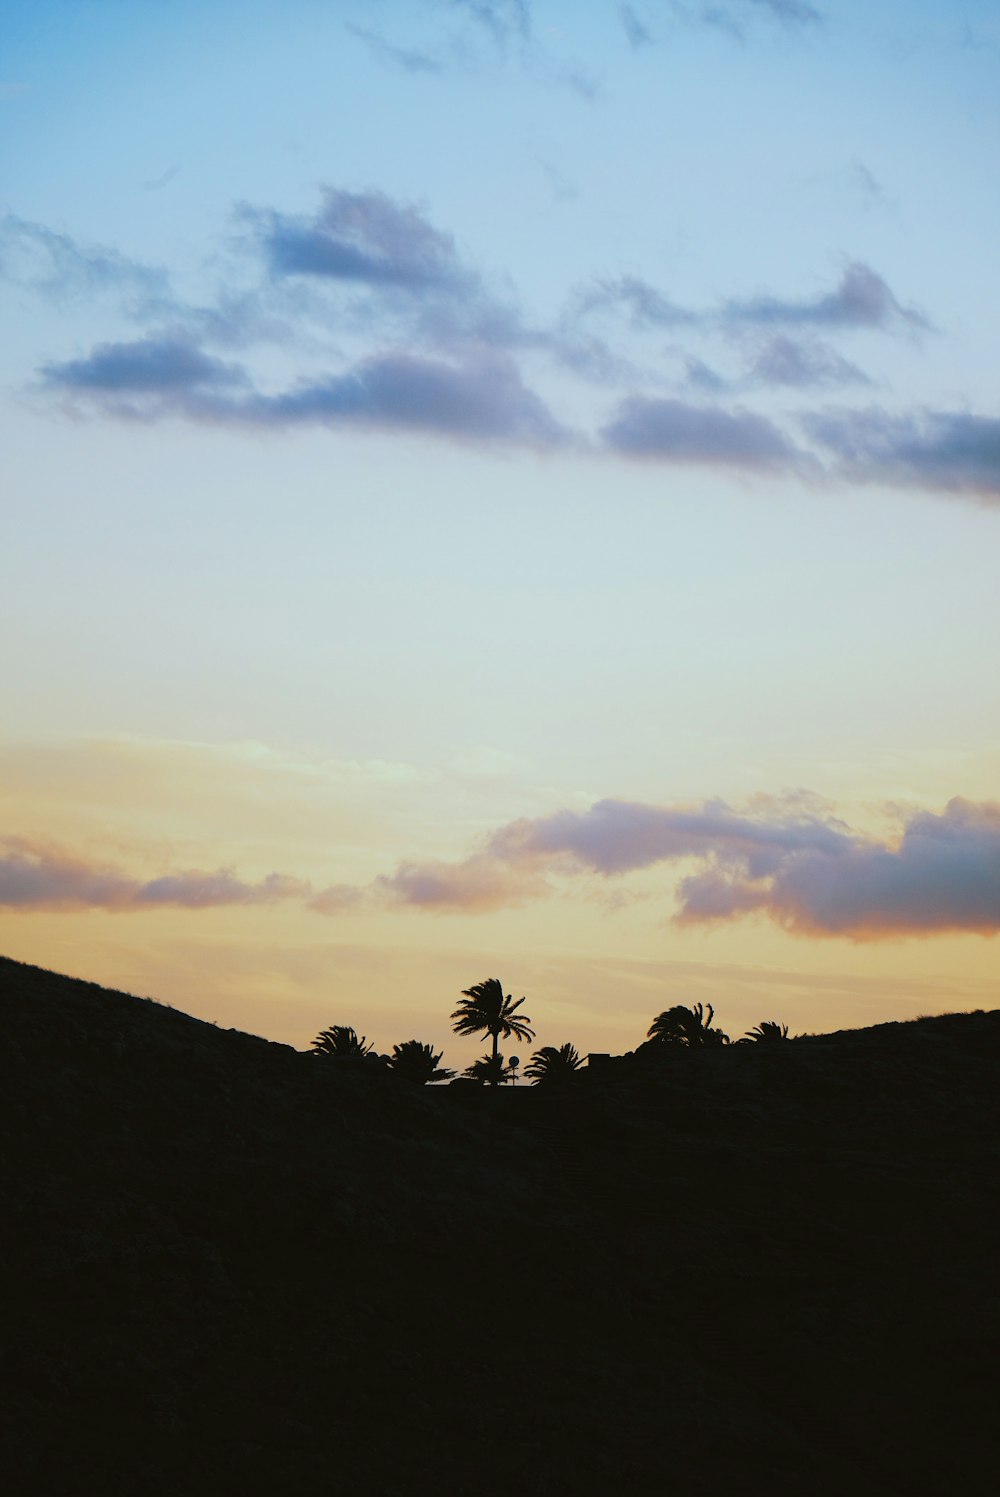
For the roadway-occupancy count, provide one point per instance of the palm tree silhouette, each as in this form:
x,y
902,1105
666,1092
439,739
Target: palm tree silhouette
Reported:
x,y
767,1030
690,1027
341,1041
489,1070
417,1063
485,1010
550,1065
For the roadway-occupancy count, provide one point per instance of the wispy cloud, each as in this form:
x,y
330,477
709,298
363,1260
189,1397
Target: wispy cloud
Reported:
x,y
798,363
736,15
636,31
504,20
58,266
860,300
410,59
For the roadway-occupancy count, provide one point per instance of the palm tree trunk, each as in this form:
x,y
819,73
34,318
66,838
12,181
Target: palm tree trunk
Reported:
x,y
496,1047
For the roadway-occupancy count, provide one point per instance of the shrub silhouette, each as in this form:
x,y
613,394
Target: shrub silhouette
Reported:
x,y
767,1030
689,1027
341,1042
549,1066
485,1010
417,1063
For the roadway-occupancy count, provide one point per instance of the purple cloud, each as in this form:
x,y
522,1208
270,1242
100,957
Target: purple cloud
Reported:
x,y
953,452
787,859
674,431
799,364
861,300
149,366
644,305
35,876
481,398
361,237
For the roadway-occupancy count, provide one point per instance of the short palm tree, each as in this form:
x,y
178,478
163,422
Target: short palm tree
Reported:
x,y
767,1030
485,1010
550,1065
417,1063
489,1070
690,1027
341,1041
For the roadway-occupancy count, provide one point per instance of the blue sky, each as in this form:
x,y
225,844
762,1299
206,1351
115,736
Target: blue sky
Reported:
x,y
523,406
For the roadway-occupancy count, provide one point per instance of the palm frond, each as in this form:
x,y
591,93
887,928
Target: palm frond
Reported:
x,y
418,1063
485,1009
690,1027
768,1030
550,1064
341,1040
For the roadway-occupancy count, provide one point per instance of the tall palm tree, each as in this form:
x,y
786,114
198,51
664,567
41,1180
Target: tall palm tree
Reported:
x,y
767,1030
412,1061
549,1065
485,1010
690,1027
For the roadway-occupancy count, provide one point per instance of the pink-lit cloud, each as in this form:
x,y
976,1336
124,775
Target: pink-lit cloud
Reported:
x,y
37,876
788,859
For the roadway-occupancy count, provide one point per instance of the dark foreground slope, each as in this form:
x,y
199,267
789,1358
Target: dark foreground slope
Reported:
x,y
236,1269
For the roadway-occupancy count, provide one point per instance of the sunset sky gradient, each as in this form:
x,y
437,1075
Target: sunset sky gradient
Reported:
x,y
502,489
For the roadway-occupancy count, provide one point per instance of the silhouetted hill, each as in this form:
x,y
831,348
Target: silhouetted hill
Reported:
x,y
239,1269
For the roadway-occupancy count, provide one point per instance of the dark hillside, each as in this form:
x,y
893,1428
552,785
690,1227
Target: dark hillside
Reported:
x,y
234,1268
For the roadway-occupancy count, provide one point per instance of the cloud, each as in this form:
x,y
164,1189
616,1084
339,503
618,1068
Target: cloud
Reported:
x,y
861,300
943,875
480,398
638,34
730,18
407,58
953,452
644,305
154,184
480,883
786,858
149,366
799,364
35,876
503,19
791,12
361,237
674,431
56,265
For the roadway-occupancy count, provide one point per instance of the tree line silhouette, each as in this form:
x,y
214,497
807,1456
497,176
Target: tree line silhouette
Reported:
x,y
485,1009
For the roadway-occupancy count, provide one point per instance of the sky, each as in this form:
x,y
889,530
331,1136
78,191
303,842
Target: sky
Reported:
x,y
502,488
